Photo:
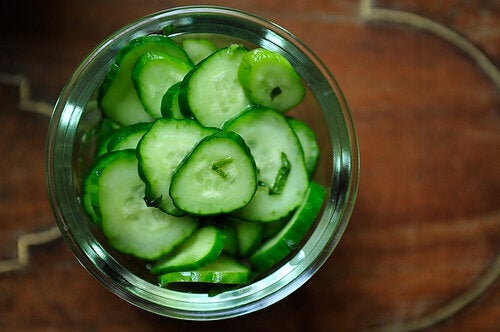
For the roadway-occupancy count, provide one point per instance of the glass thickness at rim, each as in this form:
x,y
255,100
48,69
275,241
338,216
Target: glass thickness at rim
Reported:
x,y
285,280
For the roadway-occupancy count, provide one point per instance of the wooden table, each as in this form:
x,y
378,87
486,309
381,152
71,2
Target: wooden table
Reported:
x,y
422,81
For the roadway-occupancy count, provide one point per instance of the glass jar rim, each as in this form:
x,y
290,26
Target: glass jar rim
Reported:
x,y
264,292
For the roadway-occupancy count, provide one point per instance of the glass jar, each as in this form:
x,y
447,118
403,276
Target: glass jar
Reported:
x,y
71,144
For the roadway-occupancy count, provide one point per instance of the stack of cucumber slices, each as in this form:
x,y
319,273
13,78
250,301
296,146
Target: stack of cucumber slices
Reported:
x,y
202,175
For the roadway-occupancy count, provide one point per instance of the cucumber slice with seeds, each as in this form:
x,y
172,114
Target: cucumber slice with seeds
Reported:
x,y
153,74
270,80
210,92
218,176
270,138
117,96
198,48
129,225
160,152
90,197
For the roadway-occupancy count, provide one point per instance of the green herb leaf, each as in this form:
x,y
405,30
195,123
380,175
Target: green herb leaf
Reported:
x,y
282,176
218,166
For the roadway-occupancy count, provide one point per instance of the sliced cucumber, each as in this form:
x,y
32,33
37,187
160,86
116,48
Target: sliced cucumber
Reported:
x,y
270,80
127,137
129,225
270,137
117,97
289,238
211,93
160,152
201,248
102,148
248,235
218,176
308,142
102,135
223,270
170,103
231,245
90,197
198,48
199,168
153,74
272,228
